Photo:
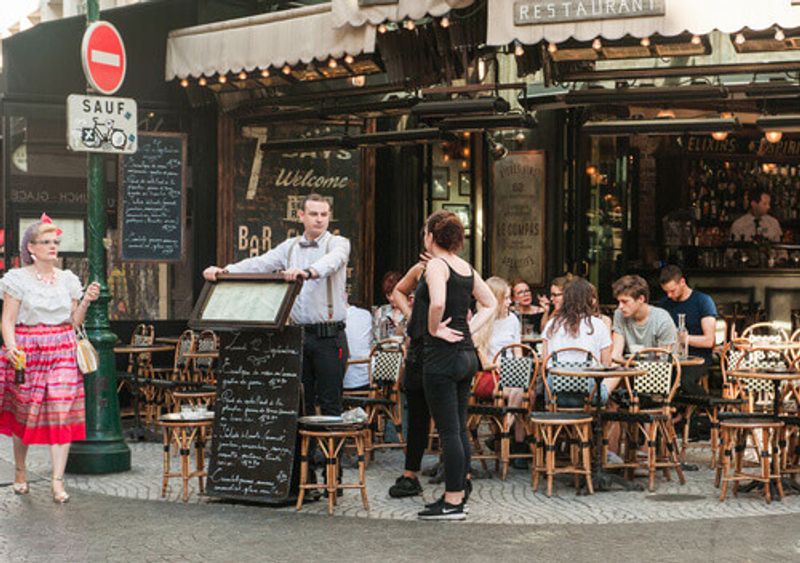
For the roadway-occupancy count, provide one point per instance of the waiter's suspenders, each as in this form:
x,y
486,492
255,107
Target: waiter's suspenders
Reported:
x,y
328,280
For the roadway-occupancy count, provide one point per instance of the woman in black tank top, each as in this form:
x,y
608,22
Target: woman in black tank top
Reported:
x,y
449,359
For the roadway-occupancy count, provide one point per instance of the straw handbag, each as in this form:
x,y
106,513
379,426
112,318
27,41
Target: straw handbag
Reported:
x,y
88,360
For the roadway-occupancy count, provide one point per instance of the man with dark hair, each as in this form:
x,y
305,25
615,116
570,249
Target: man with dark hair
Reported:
x,y
701,322
637,324
320,259
757,221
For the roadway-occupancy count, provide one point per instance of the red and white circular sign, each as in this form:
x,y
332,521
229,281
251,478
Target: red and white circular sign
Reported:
x,y
103,57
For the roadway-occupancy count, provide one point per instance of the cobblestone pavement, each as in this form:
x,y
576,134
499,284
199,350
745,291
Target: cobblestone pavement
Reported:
x,y
95,527
493,501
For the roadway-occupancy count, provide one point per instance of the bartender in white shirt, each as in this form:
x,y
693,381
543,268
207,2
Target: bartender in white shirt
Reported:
x,y
320,258
757,221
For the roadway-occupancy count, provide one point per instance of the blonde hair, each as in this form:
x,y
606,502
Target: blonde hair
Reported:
x,y
32,234
483,337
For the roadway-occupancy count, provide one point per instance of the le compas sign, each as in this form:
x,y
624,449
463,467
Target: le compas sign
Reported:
x,y
101,124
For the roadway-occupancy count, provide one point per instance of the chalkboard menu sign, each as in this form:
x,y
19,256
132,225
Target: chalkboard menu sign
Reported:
x,y
269,187
255,414
152,205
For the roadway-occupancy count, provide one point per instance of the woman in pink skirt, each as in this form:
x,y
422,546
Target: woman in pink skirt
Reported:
x,y
41,306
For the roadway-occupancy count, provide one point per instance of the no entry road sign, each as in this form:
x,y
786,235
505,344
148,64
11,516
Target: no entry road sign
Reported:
x,y
103,57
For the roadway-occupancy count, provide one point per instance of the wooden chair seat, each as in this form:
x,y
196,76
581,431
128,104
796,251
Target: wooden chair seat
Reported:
x,y
546,417
495,410
751,423
762,435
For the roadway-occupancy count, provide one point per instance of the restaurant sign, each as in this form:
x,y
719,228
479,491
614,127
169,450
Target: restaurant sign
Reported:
x,y
533,12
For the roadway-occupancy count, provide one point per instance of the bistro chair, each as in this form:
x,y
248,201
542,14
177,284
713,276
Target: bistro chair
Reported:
x,y
185,432
163,381
649,415
765,332
382,400
516,366
763,434
564,393
203,368
757,394
143,335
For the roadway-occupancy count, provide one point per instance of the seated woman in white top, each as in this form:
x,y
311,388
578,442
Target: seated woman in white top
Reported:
x,y
575,325
502,329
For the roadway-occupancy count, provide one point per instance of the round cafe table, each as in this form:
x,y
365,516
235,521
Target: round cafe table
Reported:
x,y
601,479
684,362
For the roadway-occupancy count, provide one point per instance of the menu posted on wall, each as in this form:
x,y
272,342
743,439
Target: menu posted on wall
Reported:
x,y
152,200
519,208
255,415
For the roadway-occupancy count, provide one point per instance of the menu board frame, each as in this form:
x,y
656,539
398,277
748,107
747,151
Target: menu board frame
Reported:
x,y
199,321
183,201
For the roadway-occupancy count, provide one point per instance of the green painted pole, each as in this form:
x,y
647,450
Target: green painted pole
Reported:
x,y
104,450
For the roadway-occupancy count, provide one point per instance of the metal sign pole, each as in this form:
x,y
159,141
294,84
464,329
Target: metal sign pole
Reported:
x,y
104,450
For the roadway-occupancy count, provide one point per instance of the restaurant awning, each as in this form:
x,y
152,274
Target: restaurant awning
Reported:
x,y
263,41
357,13
532,21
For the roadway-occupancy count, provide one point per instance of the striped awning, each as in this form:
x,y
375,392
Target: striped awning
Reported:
x,y
558,20
356,13
268,40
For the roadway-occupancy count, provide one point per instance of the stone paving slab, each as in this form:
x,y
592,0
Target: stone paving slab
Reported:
x,y
493,501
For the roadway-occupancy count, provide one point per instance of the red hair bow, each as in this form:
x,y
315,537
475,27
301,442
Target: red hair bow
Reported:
x,y
45,218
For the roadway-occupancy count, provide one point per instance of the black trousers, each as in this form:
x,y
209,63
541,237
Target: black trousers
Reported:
x,y
690,376
419,420
447,392
324,364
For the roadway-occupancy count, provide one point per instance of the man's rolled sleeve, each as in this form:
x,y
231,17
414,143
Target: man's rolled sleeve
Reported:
x,y
333,260
267,263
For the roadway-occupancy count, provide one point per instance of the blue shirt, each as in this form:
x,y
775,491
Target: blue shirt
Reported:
x,y
696,308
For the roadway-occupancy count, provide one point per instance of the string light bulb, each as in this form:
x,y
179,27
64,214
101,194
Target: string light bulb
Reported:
x,y
773,136
696,40
265,73
779,34
243,75
349,59
552,48
184,83
202,81
409,25
444,22
332,63
719,135
645,42
739,39
286,69
382,28
358,81
222,79
519,50
597,44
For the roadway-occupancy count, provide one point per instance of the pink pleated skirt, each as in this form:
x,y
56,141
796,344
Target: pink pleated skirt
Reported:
x,y
49,407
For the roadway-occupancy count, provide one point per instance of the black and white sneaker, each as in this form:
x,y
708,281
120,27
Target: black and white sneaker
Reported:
x,y
441,510
441,500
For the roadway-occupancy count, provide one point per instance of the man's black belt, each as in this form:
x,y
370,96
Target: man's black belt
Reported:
x,y
324,330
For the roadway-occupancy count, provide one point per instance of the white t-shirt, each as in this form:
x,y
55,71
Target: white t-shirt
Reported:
x,y
359,342
593,339
504,332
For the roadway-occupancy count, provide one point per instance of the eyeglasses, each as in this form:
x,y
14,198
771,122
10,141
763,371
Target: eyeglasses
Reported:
x,y
556,294
48,242
523,292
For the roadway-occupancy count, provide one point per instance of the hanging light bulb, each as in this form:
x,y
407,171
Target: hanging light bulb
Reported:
x,y
332,63
591,170
409,25
773,136
286,69
184,83
645,42
740,39
726,115
597,44
265,73
719,135
779,34
382,28
519,50
444,22
665,114
349,59
445,157
202,81
464,164
696,40
222,79
243,75
465,152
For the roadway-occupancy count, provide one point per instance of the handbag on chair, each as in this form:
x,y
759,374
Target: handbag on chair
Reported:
x,y
88,360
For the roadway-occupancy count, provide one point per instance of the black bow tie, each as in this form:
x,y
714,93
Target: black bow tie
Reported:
x,y
308,244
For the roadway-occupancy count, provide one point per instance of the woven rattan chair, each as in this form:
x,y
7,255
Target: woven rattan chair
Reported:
x,y
516,367
161,382
202,369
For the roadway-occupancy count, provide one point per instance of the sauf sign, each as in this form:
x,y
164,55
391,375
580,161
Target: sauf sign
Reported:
x,y
101,124
528,12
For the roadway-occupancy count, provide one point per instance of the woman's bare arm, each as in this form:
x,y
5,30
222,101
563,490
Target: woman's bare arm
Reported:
x,y
484,296
405,286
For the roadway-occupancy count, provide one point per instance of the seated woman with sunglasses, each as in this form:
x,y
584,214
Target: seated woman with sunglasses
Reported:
x,y
530,315
41,306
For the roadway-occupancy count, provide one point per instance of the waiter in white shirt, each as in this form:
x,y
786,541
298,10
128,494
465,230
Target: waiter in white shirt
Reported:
x,y
320,259
757,221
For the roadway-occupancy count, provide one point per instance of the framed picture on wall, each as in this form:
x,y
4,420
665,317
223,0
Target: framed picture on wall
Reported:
x,y
440,183
463,213
464,185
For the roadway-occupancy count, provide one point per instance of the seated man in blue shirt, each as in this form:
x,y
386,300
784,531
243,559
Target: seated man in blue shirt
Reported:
x,y
701,322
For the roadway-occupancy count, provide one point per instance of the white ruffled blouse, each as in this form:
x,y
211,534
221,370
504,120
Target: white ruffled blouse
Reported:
x,y
41,303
